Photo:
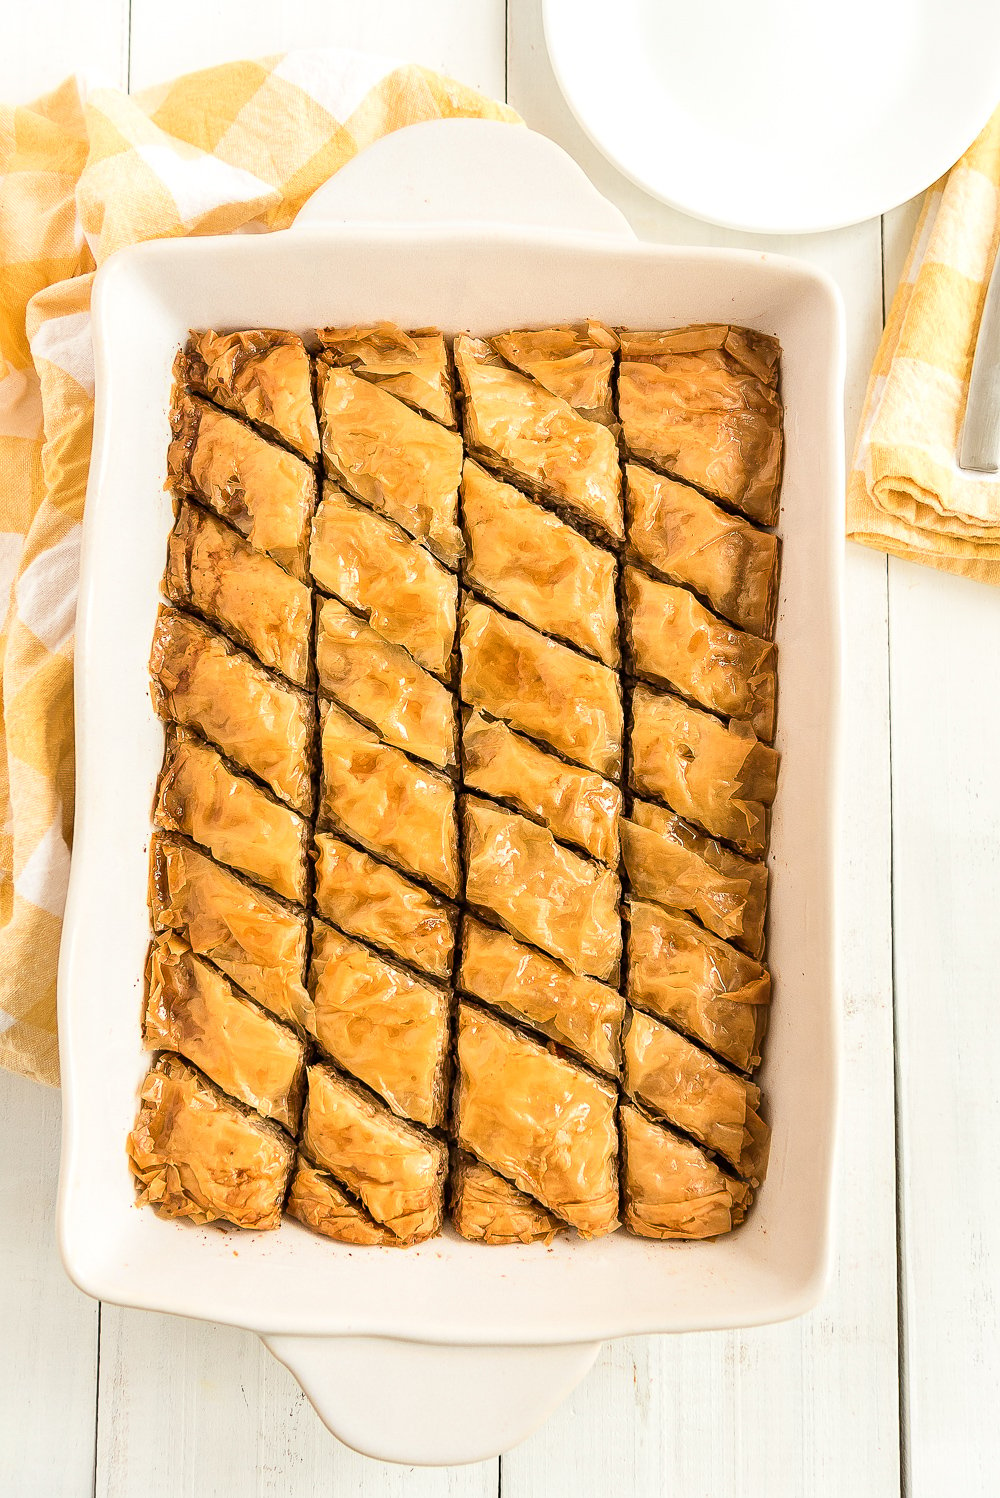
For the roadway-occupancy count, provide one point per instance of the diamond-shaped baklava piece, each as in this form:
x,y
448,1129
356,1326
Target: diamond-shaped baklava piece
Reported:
x,y
370,564
541,1121
672,1189
265,492
263,375
395,1168
196,1154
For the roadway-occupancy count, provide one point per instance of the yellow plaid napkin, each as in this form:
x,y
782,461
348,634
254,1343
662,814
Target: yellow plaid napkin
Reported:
x,y
906,493
237,146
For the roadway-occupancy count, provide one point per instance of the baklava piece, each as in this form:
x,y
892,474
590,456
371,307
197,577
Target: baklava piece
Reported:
x,y
697,982
542,687
487,1209
391,805
382,684
244,593
541,1121
671,1188
202,681
575,363
578,806
696,1093
702,404
369,899
192,1009
537,439
400,463
231,816
197,1155
382,1024
396,1169
580,1013
536,566
254,939
370,564
265,492
412,366
681,534
677,642
719,775
263,375
318,1201
669,862
539,890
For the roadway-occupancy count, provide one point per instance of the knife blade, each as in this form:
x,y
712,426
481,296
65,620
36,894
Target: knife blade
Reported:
x,y
979,449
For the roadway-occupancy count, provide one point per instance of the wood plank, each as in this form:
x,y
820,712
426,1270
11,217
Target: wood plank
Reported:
x,y
194,1408
765,1412
48,1371
450,35
945,641
186,1407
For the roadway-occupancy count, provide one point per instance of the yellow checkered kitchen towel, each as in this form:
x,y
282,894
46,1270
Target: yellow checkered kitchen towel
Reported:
x,y
906,493
81,175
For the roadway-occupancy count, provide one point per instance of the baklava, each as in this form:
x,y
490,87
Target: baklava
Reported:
x,y
458,865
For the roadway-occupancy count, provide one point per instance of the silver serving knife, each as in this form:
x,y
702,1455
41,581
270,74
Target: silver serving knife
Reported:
x,y
979,448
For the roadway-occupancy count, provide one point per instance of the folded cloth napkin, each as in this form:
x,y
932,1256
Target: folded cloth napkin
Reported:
x,y
906,493
234,147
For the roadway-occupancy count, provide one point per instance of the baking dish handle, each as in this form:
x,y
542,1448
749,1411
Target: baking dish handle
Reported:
x,y
467,171
427,1404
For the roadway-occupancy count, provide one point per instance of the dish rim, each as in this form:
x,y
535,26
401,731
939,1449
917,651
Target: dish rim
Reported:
x,y
796,1297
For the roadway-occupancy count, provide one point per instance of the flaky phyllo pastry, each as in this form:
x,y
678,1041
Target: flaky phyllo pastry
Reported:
x,y
693,1091
196,1154
399,462
458,881
252,937
541,687
381,684
192,1009
394,1168
384,1025
371,900
411,366
577,806
676,532
393,806
702,405
265,493
374,567
676,642
558,900
264,725
536,566
541,1121
669,861
246,595
575,363
671,1187
535,990
537,439
695,981
264,376
231,815
717,774
488,1209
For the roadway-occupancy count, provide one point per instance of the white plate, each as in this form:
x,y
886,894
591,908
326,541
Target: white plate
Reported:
x,y
779,116
492,1337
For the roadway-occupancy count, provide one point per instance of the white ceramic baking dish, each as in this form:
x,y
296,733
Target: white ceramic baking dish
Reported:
x,y
449,1351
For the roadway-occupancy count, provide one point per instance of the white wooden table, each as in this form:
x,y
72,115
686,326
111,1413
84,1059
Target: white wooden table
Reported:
x,y
890,1385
